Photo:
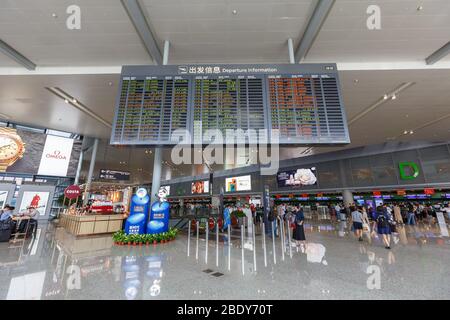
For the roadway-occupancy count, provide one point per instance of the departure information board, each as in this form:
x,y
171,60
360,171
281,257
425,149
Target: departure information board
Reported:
x,y
301,102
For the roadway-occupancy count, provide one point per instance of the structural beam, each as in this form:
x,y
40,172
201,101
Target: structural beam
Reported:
x,y
90,172
439,54
16,55
139,21
315,23
291,51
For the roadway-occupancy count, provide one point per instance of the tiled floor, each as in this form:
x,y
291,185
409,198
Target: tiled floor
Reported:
x,y
333,266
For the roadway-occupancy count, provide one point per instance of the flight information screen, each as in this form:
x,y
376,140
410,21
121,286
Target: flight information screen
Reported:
x,y
299,104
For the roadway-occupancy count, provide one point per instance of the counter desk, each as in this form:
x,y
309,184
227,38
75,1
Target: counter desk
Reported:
x,y
91,224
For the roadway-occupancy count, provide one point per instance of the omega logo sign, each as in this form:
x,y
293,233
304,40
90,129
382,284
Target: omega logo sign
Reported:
x,y
56,155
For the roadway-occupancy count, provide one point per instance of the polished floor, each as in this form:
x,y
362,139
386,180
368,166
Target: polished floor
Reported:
x,y
334,265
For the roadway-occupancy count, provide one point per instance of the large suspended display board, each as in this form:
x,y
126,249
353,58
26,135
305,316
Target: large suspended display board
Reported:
x,y
302,101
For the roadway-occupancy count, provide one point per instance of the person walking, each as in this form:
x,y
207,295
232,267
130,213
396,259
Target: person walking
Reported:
x,y
411,217
383,227
299,231
357,220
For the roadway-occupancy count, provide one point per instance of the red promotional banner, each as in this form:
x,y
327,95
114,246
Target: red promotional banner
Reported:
x,y
377,193
305,195
72,192
401,192
429,191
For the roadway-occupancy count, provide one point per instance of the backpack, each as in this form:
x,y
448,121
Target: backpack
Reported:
x,y
382,221
271,216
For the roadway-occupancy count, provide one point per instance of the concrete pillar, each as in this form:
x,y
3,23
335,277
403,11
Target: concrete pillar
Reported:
x,y
348,198
80,163
91,171
157,165
156,178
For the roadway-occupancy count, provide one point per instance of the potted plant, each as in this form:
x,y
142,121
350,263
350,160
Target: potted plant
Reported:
x,y
239,214
155,238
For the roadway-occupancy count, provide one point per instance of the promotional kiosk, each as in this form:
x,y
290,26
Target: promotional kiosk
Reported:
x,y
159,215
138,222
139,208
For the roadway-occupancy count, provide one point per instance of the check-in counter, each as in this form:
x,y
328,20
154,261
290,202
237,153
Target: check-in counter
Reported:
x,y
83,225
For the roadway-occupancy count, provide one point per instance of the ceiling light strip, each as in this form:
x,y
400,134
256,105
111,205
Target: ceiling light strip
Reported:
x,y
381,101
439,54
65,96
429,123
16,55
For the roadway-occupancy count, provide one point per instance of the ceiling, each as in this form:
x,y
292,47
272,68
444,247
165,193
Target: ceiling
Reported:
x,y
206,31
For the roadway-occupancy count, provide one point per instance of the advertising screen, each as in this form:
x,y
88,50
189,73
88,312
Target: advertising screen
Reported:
x,y
37,200
33,147
3,198
55,156
237,184
297,178
199,187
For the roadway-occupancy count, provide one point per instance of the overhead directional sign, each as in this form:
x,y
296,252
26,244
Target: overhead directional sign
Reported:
x,y
302,102
114,175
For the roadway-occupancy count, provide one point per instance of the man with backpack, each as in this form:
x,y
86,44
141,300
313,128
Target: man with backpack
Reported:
x,y
383,227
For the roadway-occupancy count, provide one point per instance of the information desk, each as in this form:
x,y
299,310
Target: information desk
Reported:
x,y
81,225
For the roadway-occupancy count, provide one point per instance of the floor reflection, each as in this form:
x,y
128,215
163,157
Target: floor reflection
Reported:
x,y
332,265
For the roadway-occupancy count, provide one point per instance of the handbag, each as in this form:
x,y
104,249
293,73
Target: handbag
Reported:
x,y
366,227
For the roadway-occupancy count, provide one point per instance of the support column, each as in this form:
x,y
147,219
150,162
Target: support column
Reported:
x,y
91,171
157,165
156,178
348,198
80,163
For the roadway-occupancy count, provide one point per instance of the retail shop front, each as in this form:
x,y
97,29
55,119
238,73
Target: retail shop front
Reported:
x,y
108,205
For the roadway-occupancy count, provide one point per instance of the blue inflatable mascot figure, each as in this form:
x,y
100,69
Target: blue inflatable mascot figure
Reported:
x,y
159,215
137,220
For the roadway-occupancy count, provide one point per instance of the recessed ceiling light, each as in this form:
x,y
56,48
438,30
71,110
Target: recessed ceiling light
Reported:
x,y
74,100
419,8
54,15
356,81
411,132
405,132
234,12
385,97
66,101
394,97
110,83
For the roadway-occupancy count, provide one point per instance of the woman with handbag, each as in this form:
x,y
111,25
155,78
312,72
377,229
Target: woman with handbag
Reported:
x,y
299,231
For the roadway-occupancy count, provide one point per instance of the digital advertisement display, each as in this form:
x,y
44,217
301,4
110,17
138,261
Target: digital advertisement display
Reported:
x,y
297,178
34,199
237,184
199,187
33,153
3,198
55,156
